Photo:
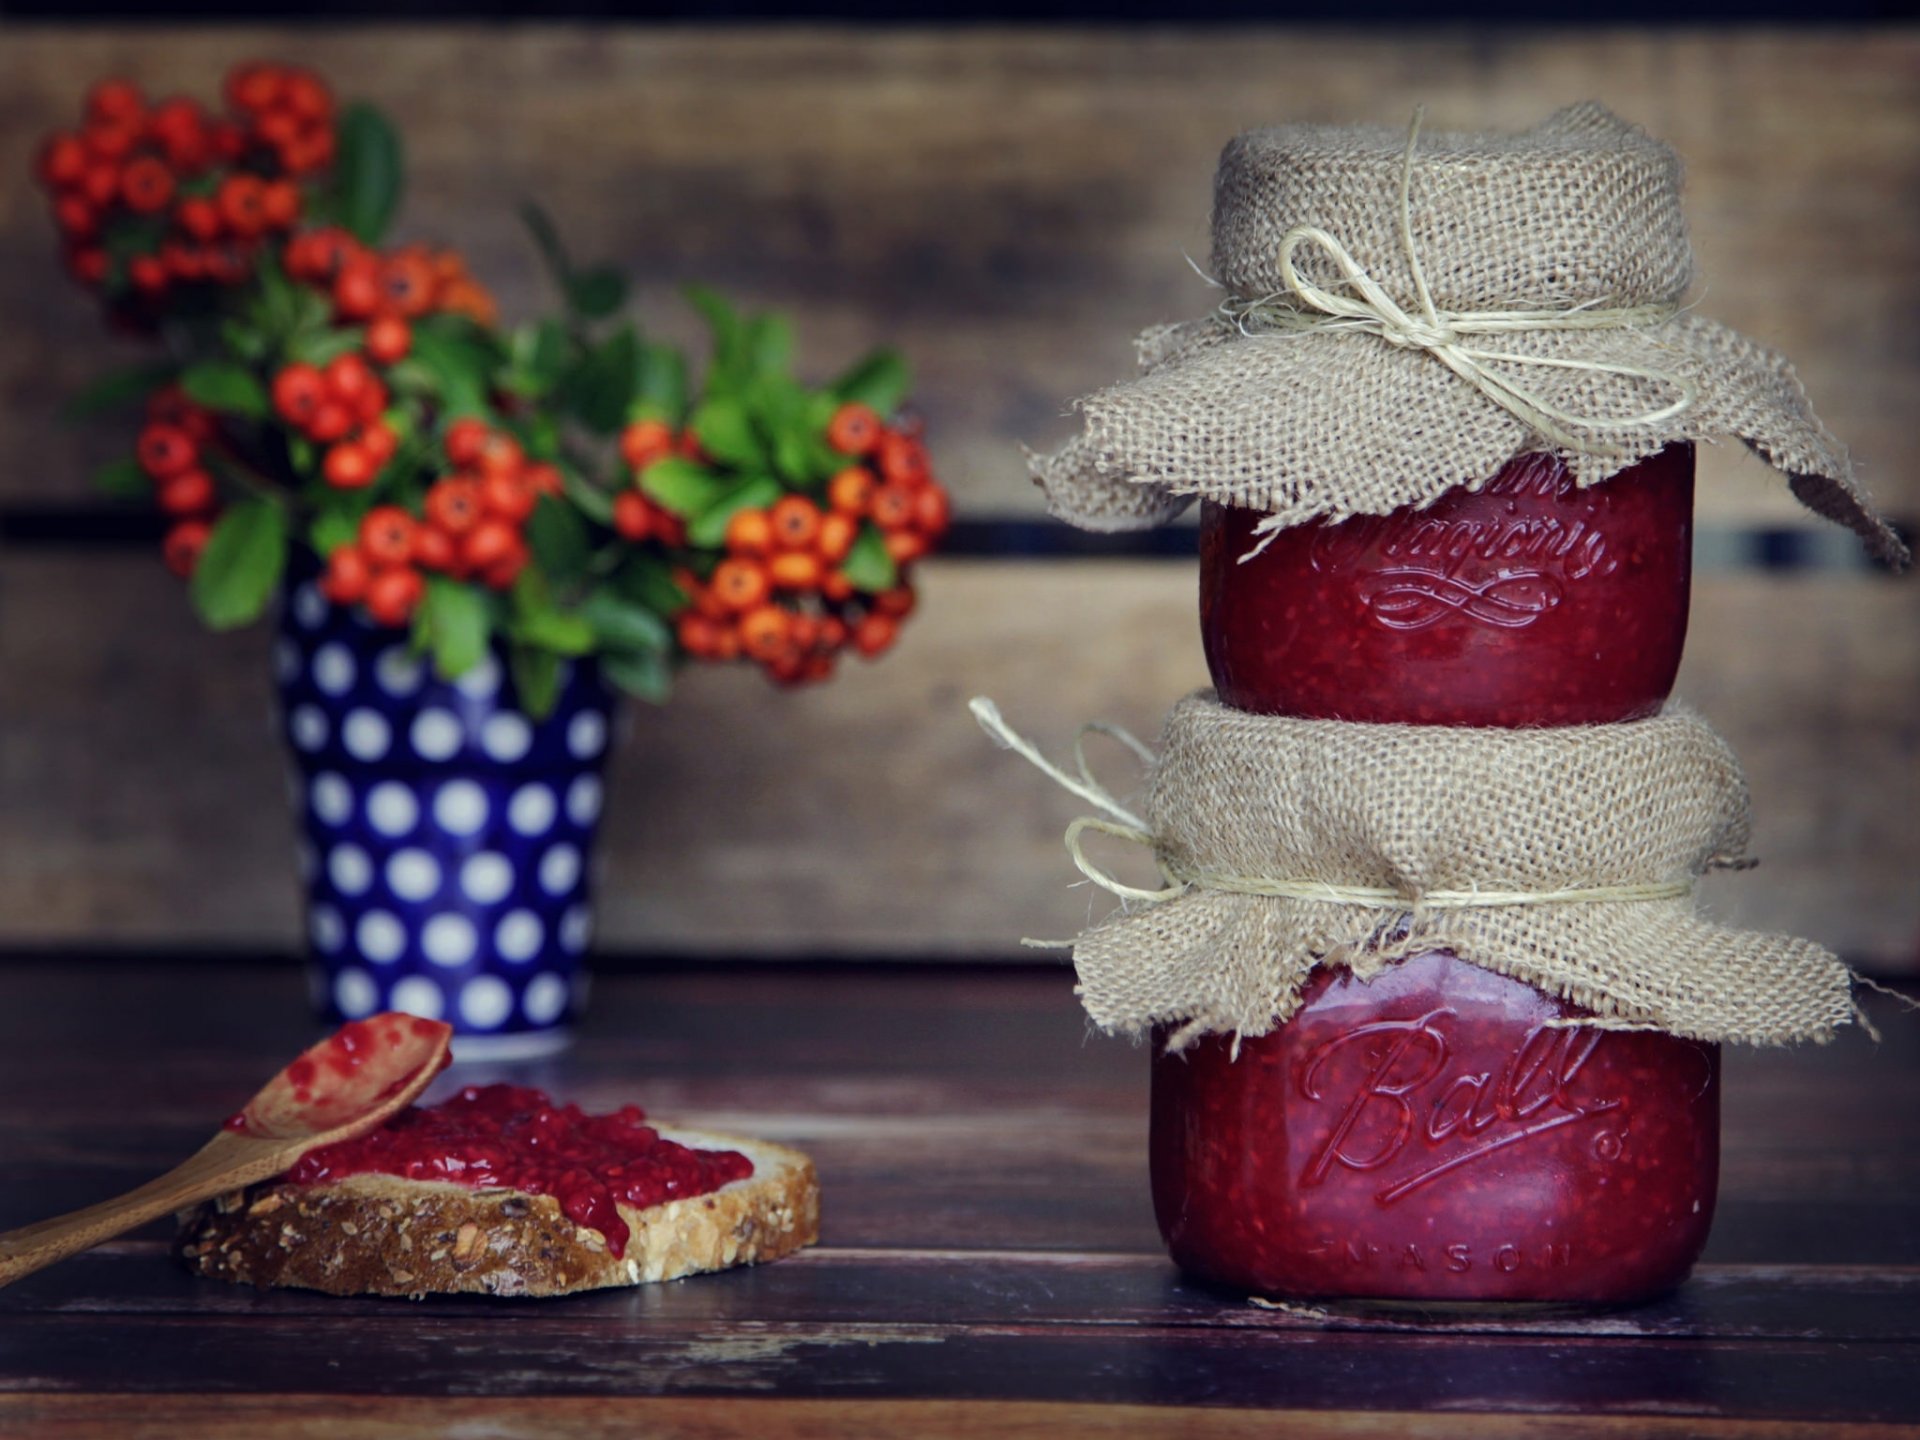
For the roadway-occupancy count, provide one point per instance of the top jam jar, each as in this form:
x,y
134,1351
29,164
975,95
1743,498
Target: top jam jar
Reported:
x,y
1443,1134
1529,601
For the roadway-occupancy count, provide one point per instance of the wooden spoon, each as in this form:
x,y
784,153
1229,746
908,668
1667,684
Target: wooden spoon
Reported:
x,y
348,1084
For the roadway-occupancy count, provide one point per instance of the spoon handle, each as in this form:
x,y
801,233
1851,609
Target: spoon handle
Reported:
x,y
224,1163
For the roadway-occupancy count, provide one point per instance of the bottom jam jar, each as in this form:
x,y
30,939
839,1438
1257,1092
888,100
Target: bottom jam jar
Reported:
x,y
1430,1136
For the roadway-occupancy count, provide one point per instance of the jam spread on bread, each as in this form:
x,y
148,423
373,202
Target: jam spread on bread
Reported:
x,y
511,1137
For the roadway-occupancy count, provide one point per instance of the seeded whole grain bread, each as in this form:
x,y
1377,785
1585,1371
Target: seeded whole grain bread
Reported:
x,y
384,1235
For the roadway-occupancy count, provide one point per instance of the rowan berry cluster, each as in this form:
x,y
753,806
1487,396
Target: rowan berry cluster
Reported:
x,y
339,406
172,453
780,594
151,197
470,526
386,292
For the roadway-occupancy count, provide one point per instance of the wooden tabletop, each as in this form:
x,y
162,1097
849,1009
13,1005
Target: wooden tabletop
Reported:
x,y
989,1264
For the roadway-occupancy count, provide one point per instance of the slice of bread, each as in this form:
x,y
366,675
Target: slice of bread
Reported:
x,y
383,1235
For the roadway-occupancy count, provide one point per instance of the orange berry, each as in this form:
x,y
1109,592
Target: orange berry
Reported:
x,y
645,441
750,532
394,594
741,584
874,634
932,511
837,534
893,507
902,459
906,546
833,633
632,516
796,570
835,586
699,636
854,430
347,575
851,491
501,455
796,521
454,504
545,478
764,632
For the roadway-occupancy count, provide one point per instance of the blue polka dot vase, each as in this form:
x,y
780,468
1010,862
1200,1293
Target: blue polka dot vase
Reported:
x,y
446,837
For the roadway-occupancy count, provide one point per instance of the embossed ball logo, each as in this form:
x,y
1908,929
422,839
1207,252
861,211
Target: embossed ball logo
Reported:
x,y
1505,572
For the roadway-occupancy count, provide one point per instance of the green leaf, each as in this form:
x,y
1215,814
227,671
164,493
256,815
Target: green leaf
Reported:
x,y
457,621
661,392
536,679
879,382
602,385
558,537
730,369
333,527
123,479
754,494
460,368
227,387
244,340
538,355
597,293
241,565
648,580
625,624
367,172
592,501
117,390
725,433
683,486
647,674
317,347
769,343
868,566
555,630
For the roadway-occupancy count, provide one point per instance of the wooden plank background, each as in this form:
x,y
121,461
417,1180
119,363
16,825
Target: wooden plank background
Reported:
x,y
1010,206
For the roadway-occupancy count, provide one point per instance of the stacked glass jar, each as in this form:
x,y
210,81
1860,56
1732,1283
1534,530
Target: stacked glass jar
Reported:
x,y
1441,1133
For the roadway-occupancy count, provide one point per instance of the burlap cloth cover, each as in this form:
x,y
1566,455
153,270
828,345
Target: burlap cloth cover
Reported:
x,y
1583,210
1422,810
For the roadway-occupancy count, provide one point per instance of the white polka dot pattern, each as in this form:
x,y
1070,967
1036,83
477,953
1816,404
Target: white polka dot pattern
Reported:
x,y
355,993
413,874
460,806
485,1001
486,878
435,734
531,810
519,936
545,998
417,995
381,938
391,809
449,940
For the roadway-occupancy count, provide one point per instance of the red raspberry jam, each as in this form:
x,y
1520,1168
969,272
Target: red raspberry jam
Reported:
x,y
509,1137
1528,602
1429,1137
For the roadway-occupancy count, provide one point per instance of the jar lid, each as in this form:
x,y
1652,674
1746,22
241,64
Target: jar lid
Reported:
x,y
1403,314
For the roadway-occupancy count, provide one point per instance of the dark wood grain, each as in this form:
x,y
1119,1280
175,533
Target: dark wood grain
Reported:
x,y
141,793
987,1244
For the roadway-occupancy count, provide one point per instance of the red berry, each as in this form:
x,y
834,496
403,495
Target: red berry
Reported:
x,y
298,391
389,338
147,274
488,544
508,495
394,594
63,162
504,571
454,504
115,102
306,96
197,218
330,422
254,87
181,549
146,185
242,202
76,218
356,289
348,466
165,451
101,184
87,264
644,442
349,379
466,439
434,549
407,285
281,204
386,534
632,516
347,575
379,441
188,493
